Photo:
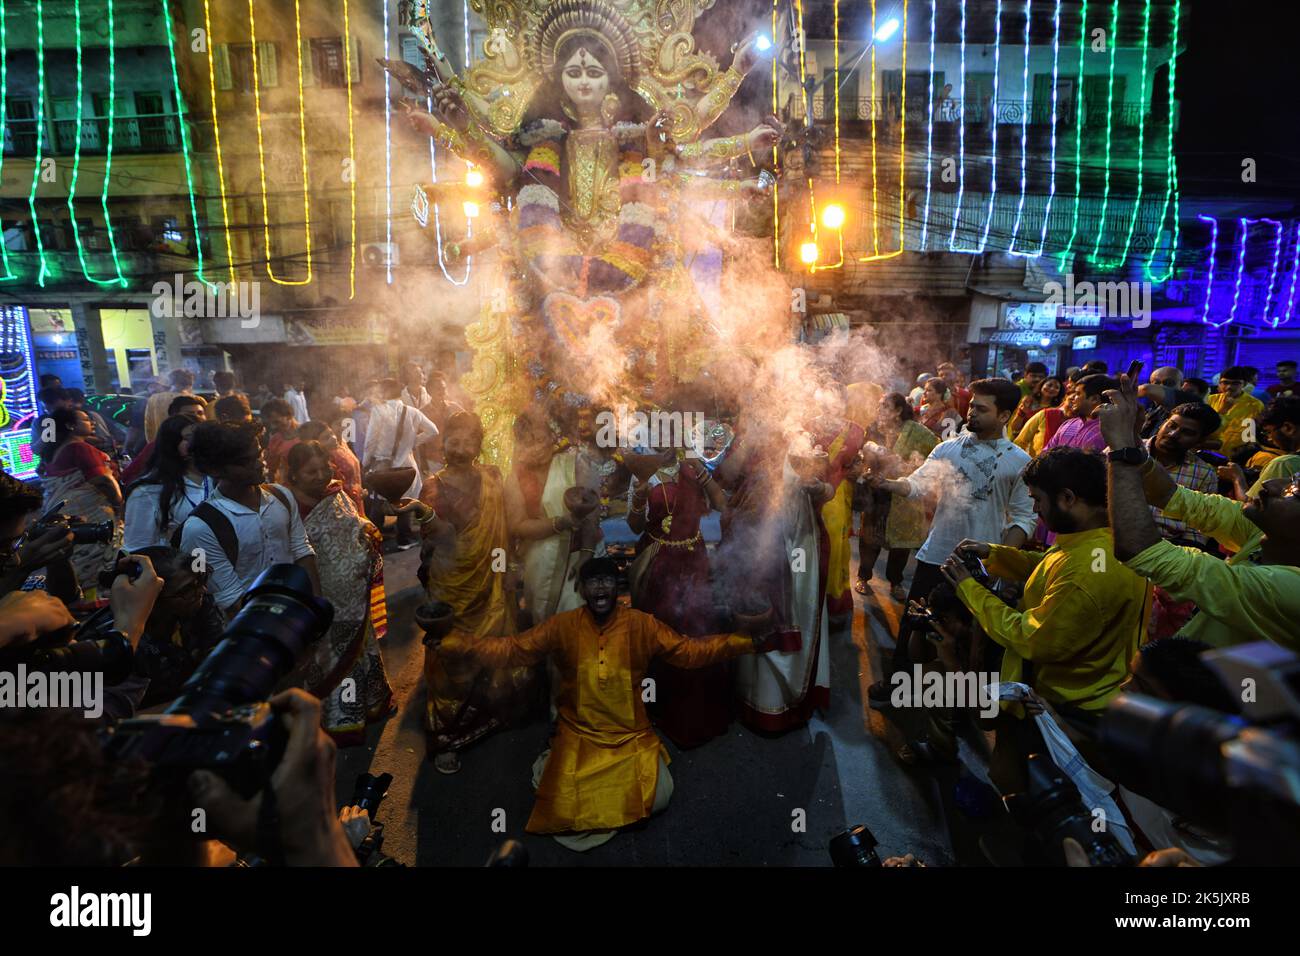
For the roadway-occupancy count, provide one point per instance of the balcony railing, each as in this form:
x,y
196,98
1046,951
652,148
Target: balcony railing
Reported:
x,y
141,133
953,110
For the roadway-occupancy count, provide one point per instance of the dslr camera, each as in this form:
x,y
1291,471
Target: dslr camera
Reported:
x,y
222,721
1234,774
83,531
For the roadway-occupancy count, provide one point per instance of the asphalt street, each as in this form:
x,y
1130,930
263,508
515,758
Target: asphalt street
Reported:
x,y
737,799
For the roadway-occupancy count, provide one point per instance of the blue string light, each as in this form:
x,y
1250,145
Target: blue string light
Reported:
x,y
1209,275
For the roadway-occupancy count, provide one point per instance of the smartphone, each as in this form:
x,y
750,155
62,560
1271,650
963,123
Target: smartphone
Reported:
x,y
1134,370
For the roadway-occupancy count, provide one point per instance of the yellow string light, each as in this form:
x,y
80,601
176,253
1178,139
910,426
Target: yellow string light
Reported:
x,y
803,86
352,154
902,146
261,151
216,134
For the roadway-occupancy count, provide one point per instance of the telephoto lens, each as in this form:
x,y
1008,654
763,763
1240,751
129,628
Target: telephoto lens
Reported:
x,y
221,722
856,846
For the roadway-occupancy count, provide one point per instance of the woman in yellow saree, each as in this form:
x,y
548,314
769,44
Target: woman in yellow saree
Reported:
x,y
463,520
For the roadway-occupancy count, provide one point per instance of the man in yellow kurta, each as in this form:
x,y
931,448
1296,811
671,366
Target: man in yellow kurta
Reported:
x,y
1083,614
1236,408
1253,595
607,768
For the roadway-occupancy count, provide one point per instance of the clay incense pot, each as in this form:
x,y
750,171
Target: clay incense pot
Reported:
x,y
812,464
436,619
580,502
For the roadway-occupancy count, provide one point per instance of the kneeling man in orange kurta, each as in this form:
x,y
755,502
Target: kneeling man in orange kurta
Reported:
x,y
606,768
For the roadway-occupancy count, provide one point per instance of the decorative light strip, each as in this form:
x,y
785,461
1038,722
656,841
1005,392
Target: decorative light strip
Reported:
x,y
1112,43
261,150
807,101
1141,143
993,180
961,137
1244,226
76,166
388,161
1024,130
4,123
1295,274
1078,140
185,138
1171,161
433,165
1209,275
216,133
836,72
108,153
40,131
352,154
1051,194
902,143
929,134
1277,258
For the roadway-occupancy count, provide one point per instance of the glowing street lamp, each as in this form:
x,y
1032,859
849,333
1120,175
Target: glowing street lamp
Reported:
x,y
886,30
833,216
808,253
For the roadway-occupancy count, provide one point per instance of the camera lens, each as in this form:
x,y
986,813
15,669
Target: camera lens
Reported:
x,y
280,618
1172,754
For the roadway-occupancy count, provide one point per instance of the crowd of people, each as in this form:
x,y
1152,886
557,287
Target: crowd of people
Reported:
x,y
1077,533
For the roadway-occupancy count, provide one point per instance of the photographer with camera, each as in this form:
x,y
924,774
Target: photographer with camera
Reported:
x,y
184,626
1082,615
40,635
26,545
245,527
86,478
944,635
1244,598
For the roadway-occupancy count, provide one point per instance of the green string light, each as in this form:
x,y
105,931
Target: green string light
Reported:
x,y
76,170
4,122
1110,124
1078,140
185,140
1141,143
112,123
1171,161
40,125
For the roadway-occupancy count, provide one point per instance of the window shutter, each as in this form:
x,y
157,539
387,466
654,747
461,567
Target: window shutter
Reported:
x,y
267,64
308,63
221,62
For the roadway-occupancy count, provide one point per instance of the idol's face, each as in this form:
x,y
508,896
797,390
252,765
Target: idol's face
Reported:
x,y
586,423
585,81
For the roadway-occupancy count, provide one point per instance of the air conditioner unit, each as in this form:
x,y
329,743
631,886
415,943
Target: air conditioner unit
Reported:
x,y
379,254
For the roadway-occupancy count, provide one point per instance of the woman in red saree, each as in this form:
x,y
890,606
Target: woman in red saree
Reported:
x,y
670,579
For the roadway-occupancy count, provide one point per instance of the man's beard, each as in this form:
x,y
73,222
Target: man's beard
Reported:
x,y
1060,521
